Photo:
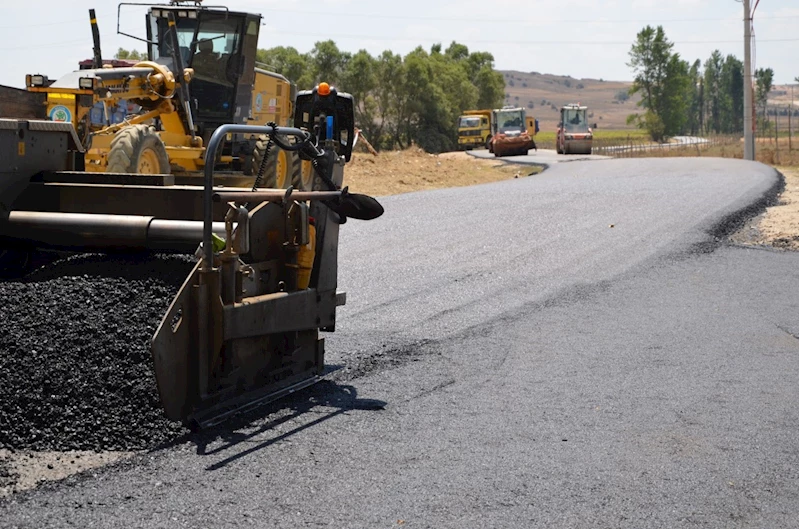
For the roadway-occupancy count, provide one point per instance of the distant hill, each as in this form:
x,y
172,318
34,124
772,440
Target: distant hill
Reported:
x,y
546,93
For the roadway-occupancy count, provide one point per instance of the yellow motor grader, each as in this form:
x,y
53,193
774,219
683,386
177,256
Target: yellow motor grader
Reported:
x,y
244,327
157,116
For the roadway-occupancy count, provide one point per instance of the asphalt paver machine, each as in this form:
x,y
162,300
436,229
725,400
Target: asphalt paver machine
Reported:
x,y
245,326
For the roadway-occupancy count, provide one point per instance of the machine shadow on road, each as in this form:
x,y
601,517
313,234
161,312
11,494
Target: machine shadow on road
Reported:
x,y
327,399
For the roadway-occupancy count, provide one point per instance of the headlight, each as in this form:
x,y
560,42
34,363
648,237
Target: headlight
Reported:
x,y
192,14
86,83
182,14
37,80
156,13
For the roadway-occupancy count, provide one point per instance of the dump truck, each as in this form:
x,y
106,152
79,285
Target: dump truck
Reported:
x,y
474,129
144,118
509,132
574,136
244,329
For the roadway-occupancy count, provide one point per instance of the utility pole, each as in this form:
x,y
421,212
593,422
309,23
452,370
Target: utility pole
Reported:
x,y
777,132
790,126
749,137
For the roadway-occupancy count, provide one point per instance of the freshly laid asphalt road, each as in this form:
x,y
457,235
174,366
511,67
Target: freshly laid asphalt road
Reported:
x,y
538,157
574,349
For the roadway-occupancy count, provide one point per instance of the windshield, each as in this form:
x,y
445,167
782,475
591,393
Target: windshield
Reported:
x,y
510,121
217,41
575,120
186,28
470,122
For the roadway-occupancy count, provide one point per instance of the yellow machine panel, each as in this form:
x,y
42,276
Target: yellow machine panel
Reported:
x,y
272,95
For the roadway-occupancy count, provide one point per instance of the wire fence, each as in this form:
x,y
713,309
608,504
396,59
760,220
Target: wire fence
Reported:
x,y
632,147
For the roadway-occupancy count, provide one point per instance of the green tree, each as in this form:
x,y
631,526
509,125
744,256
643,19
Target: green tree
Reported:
x,y
714,93
327,62
675,100
131,55
732,75
697,97
399,100
288,62
662,79
764,81
359,79
457,52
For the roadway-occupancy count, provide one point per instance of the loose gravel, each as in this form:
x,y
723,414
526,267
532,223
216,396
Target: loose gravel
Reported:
x,y
75,369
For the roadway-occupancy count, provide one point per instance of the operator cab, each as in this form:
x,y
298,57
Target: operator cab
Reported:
x,y
220,46
510,122
574,119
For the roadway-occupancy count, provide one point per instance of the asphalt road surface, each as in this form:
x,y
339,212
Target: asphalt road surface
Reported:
x,y
574,349
538,157
547,157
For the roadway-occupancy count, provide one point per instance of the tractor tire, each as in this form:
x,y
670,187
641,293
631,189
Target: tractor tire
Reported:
x,y
308,180
282,167
138,149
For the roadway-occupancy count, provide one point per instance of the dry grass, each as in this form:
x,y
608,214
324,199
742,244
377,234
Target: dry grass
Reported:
x,y
766,151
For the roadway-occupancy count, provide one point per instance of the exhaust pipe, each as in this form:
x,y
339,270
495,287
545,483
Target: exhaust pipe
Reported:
x,y
97,60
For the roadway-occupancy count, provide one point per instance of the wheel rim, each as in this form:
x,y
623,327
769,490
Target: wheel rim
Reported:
x,y
148,162
282,166
307,175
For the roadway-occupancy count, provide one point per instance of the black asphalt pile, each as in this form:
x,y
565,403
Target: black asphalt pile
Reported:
x,y
75,368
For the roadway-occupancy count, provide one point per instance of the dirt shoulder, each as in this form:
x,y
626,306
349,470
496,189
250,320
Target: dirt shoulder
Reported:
x,y
395,172
778,226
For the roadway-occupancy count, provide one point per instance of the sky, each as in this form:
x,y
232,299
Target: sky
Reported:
x,y
581,38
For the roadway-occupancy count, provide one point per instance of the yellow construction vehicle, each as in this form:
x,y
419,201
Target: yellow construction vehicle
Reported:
x,y
474,129
245,327
156,116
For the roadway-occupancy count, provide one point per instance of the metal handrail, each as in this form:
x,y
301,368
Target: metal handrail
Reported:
x,y
214,143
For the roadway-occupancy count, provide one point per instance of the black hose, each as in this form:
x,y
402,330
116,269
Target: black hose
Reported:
x,y
259,176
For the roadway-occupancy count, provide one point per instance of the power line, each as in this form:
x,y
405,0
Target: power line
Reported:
x,y
448,19
539,21
84,21
517,42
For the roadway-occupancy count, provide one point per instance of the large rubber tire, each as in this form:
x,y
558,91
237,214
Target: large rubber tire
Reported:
x,y
308,179
138,149
282,167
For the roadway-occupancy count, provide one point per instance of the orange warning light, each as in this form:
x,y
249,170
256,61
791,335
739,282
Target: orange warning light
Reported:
x,y
324,89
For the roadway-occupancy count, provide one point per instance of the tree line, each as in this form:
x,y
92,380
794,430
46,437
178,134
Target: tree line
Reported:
x,y
682,98
415,99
